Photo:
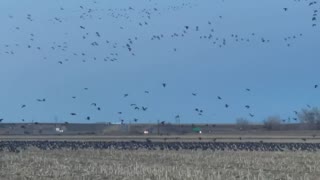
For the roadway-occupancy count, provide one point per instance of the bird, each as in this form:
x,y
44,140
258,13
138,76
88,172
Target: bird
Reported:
x,y
147,92
219,98
226,105
135,120
285,9
194,94
251,115
94,104
23,106
144,108
99,108
316,86
247,89
164,84
247,106
125,95
73,114
88,118
1,119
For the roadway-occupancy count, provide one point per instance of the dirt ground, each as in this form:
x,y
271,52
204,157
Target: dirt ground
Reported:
x,y
158,165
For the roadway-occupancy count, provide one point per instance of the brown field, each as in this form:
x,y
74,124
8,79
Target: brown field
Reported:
x,y
143,164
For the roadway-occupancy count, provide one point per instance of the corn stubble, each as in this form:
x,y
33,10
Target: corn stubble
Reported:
x,y
144,164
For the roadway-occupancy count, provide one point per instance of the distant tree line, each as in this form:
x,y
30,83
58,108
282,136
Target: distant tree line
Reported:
x,y
308,117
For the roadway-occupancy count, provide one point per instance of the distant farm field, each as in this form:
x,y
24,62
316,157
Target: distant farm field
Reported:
x,y
143,164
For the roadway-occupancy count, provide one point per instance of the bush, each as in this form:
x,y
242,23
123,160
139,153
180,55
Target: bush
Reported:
x,y
272,123
311,117
242,123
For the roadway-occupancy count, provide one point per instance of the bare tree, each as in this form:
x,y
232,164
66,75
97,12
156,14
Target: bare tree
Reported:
x,y
311,117
242,123
272,123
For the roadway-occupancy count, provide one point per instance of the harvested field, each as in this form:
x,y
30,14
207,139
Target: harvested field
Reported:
x,y
143,164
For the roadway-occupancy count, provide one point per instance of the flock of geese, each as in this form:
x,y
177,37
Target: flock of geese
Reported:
x,y
141,18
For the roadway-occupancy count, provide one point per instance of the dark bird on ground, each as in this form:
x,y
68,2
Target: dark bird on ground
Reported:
x,y
316,86
88,118
73,97
94,104
295,112
119,112
164,85
144,108
247,106
125,95
135,120
1,119
23,106
194,94
99,108
85,88
285,9
226,105
147,92
251,115
248,89
73,114
219,98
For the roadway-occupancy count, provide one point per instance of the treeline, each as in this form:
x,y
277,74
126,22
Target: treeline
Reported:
x,y
308,118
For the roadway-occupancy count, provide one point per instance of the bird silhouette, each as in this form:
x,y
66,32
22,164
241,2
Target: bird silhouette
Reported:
x,y
316,86
219,98
164,85
73,114
23,106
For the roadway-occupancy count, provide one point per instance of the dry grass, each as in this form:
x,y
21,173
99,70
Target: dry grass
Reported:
x,y
143,164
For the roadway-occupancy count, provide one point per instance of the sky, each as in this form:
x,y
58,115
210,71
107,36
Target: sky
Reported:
x,y
227,47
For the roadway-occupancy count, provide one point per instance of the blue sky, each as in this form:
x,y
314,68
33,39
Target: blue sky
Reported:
x,y
281,77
